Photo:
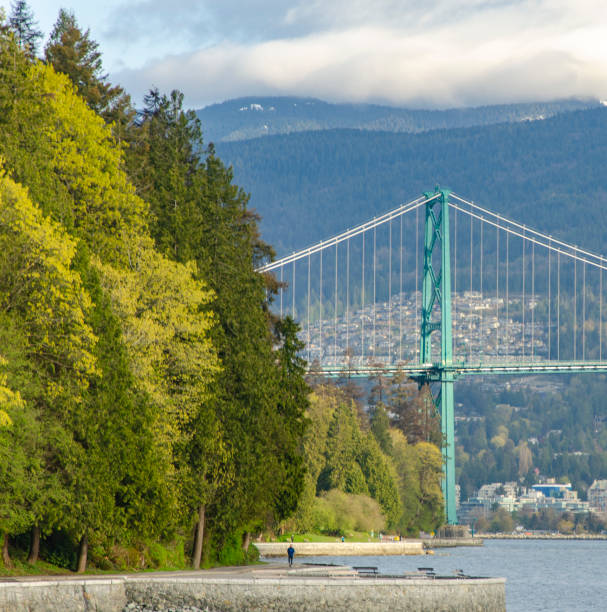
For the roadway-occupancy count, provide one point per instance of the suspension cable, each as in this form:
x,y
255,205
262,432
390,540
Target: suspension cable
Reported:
x,y
360,229
602,263
529,230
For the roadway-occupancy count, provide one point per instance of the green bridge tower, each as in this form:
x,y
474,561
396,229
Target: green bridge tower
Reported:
x,y
436,316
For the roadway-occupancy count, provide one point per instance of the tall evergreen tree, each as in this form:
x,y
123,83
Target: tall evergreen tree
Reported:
x,y
22,23
199,214
73,52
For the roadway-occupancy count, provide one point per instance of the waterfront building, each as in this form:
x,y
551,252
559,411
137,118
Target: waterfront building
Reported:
x,y
597,496
558,497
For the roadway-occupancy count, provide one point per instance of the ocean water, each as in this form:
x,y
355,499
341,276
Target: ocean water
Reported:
x,y
541,575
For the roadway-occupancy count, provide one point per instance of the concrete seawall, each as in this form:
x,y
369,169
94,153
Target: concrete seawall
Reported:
x,y
265,588
451,542
336,549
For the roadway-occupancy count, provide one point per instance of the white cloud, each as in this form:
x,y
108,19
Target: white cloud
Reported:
x,y
437,52
490,52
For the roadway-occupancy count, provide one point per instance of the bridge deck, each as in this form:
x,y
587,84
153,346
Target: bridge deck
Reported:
x,y
468,368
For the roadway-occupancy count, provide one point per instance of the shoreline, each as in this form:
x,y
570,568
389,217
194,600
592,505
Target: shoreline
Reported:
x,y
542,536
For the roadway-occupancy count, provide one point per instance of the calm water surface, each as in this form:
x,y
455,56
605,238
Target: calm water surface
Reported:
x,y
542,575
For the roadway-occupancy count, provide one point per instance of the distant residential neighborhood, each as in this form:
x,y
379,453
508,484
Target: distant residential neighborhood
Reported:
x,y
547,495
388,332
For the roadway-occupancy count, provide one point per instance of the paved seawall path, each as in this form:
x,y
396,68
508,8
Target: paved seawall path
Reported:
x,y
261,587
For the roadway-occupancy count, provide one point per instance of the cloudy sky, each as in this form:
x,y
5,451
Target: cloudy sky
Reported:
x,y
418,53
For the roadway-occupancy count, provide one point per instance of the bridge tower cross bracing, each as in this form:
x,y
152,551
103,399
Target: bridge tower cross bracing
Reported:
x,y
436,298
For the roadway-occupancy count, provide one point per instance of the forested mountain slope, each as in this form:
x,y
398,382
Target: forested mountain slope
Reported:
x,y
252,116
547,174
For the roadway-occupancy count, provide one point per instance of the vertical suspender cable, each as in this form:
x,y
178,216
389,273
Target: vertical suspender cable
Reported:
x,y
308,310
454,299
282,288
507,289
390,292
497,289
362,311
335,313
374,288
523,300
549,302
558,305
470,314
417,330
532,300
320,308
584,312
574,308
293,294
400,296
348,297
481,336
601,313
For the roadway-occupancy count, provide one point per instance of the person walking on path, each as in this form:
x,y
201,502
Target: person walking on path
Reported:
x,y
291,554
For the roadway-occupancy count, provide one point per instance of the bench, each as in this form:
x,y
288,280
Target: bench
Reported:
x,y
366,570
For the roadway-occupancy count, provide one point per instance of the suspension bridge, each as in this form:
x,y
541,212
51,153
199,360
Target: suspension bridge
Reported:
x,y
439,288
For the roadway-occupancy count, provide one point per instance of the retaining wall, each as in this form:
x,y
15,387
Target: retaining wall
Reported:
x,y
337,549
232,594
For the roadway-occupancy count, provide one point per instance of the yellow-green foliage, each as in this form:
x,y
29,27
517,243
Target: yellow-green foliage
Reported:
x,y
338,512
40,291
420,469
341,456
106,212
166,327
9,400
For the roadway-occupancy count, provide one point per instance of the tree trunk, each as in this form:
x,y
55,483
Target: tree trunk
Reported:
x,y
246,540
34,545
83,554
196,557
6,558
